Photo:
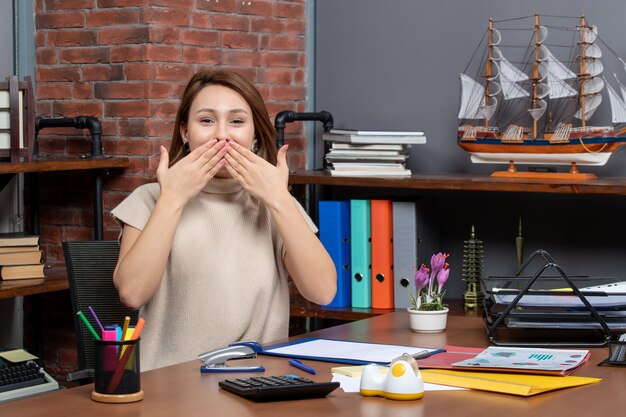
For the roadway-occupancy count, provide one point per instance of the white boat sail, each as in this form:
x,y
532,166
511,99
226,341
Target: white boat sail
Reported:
x,y
535,108
618,106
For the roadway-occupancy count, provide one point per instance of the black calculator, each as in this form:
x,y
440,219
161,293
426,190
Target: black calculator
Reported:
x,y
277,388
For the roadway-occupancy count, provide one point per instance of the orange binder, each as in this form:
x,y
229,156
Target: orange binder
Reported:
x,y
382,254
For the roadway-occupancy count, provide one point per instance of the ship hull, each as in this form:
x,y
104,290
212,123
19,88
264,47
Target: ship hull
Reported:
x,y
593,151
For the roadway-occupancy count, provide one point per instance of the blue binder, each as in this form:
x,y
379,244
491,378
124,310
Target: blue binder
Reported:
x,y
361,249
334,219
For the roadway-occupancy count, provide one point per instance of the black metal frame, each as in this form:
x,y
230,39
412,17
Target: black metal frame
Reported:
x,y
494,320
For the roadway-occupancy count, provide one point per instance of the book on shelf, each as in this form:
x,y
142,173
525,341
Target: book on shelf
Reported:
x,y
375,132
370,173
20,258
375,139
373,166
18,239
337,152
370,147
11,249
22,272
366,158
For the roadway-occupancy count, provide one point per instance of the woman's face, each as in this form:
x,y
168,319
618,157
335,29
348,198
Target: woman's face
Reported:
x,y
221,113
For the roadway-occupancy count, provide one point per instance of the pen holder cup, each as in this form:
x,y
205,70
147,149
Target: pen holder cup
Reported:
x,y
617,354
117,372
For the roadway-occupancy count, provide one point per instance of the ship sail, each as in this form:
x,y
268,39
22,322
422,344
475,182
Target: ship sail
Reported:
x,y
509,76
472,95
591,83
621,87
556,74
472,99
618,106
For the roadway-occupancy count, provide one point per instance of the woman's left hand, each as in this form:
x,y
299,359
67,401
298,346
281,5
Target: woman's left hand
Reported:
x,y
257,176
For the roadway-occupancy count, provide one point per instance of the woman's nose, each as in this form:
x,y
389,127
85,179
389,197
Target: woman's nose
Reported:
x,y
221,132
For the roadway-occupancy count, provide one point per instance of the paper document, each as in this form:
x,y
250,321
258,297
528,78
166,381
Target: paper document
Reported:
x,y
527,360
17,356
608,295
353,384
517,384
343,351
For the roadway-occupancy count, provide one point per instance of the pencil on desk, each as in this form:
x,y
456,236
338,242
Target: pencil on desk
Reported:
x,y
121,365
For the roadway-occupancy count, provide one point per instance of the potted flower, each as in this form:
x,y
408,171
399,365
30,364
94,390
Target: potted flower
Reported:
x,y
427,313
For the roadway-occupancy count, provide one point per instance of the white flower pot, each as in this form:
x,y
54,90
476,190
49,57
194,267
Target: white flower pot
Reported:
x,y
428,321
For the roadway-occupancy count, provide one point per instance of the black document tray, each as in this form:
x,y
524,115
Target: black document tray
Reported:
x,y
551,310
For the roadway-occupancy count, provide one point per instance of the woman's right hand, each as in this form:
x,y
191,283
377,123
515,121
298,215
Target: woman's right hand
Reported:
x,y
189,176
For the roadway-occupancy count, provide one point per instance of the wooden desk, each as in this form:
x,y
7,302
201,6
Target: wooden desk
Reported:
x,y
181,390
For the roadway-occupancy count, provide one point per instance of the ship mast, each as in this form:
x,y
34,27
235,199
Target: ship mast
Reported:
x,y
488,69
535,73
582,70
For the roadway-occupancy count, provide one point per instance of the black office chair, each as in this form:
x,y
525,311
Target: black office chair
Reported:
x,y
90,266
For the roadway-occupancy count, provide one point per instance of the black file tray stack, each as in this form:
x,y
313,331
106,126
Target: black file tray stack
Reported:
x,y
550,310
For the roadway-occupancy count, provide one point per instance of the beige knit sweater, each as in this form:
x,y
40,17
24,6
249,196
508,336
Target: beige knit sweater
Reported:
x,y
225,279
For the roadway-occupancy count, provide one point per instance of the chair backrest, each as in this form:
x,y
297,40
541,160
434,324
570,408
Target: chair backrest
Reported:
x,y
90,266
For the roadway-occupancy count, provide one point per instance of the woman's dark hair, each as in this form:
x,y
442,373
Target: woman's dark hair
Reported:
x,y
264,132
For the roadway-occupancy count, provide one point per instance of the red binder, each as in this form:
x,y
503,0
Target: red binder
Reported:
x,y
382,254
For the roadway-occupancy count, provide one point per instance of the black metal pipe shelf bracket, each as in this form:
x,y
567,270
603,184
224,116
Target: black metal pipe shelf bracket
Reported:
x,y
95,129
287,116
79,122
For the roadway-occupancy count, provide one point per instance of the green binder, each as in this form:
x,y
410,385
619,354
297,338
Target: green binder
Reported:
x,y
361,247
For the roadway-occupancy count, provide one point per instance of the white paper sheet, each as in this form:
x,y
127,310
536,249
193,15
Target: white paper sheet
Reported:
x,y
340,349
352,384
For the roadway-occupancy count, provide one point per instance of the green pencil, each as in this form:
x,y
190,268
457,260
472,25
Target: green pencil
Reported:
x,y
84,319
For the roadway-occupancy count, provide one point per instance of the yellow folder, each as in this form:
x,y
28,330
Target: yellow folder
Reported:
x,y
517,384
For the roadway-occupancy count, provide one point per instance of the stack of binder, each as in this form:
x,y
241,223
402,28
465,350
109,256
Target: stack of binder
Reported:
x,y
375,245
370,153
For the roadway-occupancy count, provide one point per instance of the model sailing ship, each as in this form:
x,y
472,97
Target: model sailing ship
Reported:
x,y
535,108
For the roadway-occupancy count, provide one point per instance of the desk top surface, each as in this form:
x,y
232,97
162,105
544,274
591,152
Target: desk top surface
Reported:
x,y
181,390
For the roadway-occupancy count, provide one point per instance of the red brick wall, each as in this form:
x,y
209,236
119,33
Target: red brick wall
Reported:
x,y
127,62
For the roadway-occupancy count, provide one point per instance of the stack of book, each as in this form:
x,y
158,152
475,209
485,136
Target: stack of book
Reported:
x,y
370,153
20,256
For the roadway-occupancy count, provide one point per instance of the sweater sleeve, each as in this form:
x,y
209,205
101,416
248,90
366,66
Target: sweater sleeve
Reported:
x,y
135,210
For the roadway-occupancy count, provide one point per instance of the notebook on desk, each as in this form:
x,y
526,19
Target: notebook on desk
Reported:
x,y
343,351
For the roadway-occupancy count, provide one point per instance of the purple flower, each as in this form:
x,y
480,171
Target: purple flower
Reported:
x,y
437,261
442,276
421,278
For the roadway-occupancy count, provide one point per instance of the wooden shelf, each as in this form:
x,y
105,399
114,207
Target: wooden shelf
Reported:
x,y
55,280
460,182
66,164
299,307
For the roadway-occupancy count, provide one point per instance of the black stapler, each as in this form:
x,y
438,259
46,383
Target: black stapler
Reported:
x,y
215,360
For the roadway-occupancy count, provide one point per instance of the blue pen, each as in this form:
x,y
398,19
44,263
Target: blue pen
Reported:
x,y
300,365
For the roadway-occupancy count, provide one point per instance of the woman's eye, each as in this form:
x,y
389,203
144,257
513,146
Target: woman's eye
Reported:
x,y
206,121
237,121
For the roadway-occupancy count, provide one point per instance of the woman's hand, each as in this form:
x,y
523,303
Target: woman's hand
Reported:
x,y
190,175
261,179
